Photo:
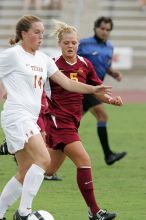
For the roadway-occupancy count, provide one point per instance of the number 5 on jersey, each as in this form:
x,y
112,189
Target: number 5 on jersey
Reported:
x,y
74,76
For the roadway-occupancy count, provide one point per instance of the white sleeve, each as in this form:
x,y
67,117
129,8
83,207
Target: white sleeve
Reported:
x,y
5,62
51,67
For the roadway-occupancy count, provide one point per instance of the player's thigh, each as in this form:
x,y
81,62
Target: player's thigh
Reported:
x,y
37,150
57,158
76,152
99,112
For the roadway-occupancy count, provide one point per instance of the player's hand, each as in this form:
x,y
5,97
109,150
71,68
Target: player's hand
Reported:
x,y
117,75
116,101
102,90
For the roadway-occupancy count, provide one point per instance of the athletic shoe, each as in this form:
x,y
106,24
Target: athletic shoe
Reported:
x,y
4,149
53,177
102,215
16,216
113,157
3,218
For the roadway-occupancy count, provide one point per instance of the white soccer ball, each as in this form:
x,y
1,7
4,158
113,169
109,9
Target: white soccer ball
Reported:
x,y
41,215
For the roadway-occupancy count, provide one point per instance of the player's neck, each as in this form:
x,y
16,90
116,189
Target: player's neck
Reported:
x,y
70,60
28,49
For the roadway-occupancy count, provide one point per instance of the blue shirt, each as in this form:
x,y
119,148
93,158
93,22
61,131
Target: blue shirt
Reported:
x,y
99,53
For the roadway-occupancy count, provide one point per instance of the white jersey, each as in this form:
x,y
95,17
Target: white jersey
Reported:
x,y
23,75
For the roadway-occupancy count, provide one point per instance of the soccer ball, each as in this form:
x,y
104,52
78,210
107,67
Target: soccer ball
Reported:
x,y
41,214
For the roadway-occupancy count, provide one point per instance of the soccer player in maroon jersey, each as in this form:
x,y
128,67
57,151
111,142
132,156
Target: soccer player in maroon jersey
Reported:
x,y
64,115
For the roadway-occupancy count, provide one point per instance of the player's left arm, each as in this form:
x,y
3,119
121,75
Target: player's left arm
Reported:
x,y
115,74
108,99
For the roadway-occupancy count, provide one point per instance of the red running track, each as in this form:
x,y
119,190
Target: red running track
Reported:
x,y
132,96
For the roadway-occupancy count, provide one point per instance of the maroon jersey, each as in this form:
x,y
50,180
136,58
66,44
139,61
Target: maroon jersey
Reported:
x,y
68,105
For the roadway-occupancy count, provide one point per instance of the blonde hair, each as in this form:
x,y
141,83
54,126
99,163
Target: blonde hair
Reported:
x,y
24,24
60,28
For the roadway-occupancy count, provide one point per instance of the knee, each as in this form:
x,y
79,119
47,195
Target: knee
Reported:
x,y
85,161
102,117
44,162
100,113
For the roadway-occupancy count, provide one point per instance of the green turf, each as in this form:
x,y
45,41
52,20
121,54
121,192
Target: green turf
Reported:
x,y
120,187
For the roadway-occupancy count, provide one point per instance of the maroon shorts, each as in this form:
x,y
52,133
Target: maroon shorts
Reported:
x,y
58,137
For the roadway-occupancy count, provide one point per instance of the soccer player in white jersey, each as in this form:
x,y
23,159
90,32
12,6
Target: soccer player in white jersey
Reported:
x,y
23,72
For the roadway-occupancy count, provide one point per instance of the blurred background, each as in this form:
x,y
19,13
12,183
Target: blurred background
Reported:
x,y
128,36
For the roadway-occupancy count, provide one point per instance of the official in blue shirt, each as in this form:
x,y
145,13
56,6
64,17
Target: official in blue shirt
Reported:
x,y
99,51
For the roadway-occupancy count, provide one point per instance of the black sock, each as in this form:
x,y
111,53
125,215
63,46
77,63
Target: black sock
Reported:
x,y
103,137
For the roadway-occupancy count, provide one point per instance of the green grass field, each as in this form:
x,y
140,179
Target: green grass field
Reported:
x,y
120,187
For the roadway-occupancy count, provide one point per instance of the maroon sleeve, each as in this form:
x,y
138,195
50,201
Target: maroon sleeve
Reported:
x,y
92,77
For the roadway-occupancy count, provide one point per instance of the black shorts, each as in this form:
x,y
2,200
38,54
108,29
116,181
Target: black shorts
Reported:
x,y
89,101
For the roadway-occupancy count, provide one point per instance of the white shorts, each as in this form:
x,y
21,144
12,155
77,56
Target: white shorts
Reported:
x,y
18,133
